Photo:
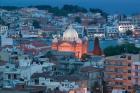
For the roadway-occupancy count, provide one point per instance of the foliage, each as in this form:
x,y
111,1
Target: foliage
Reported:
x,y
94,10
74,9
43,34
66,9
77,19
119,49
85,57
36,24
49,54
129,33
10,8
96,87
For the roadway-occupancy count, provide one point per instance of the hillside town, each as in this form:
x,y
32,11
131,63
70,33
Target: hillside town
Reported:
x,y
46,52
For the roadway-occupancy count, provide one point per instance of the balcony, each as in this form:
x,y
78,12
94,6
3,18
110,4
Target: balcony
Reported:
x,y
115,72
136,70
114,79
136,76
118,78
108,64
117,86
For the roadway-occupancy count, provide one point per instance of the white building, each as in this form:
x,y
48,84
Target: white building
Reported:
x,y
3,29
4,37
27,71
123,26
95,31
64,83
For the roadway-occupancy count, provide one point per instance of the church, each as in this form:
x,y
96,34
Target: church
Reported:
x,y
70,42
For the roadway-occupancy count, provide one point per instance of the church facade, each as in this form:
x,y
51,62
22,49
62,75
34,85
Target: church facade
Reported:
x,y
70,42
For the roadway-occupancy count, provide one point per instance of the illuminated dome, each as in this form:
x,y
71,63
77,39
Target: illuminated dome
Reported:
x,y
79,40
70,34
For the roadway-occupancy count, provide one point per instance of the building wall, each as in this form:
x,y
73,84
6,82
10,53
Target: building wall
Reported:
x,y
118,74
77,48
136,73
124,26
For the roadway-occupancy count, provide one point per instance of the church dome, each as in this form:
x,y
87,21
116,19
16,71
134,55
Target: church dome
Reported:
x,y
70,34
79,40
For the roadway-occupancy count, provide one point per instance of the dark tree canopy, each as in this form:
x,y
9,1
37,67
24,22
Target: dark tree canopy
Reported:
x,y
129,33
66,9
77,19
74,9
94,10
36,24
120,49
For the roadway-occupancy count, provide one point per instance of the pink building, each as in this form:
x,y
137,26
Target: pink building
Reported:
x,y
136,73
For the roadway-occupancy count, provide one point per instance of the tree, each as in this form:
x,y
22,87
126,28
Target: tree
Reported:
x,y
77,19
36,24
120,49
73,9
104,14
49,55
96,88
129,33
85,57
10,8
104,87
43,34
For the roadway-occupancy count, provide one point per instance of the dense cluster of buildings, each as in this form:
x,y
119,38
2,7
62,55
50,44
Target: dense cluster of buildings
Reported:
x,y
44,53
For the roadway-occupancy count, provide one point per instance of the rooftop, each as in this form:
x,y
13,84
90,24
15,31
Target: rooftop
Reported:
x,y
134,57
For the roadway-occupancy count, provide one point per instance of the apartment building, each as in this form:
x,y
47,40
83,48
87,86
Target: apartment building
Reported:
x,y
123,26
117,73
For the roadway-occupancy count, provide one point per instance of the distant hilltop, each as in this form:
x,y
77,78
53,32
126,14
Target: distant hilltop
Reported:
x,y
60,11
111,6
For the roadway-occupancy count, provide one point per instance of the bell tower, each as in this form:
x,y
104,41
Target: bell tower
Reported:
x,y
97,50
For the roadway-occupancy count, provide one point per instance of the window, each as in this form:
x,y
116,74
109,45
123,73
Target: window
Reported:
x,y
121,83
129,71
116,69
36,81
136,73
136,67
62,84
9,76
129,64
129,87
129,78
116,83
15,76
136,81
119,76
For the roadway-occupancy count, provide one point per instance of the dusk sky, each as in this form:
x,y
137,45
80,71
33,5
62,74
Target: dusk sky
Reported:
x,y
111,6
